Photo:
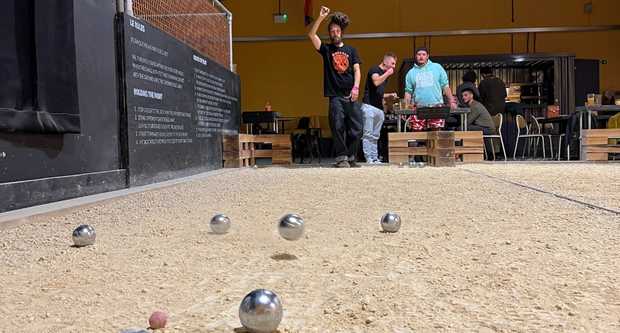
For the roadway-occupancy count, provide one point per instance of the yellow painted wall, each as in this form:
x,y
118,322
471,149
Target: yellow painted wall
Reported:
x,y
289,74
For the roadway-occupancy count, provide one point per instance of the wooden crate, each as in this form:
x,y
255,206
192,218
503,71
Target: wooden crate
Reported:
x,y
241,150
238,150
595,144
441,148
398,146
470,147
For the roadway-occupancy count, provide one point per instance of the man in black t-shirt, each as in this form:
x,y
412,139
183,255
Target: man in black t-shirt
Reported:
x,y
372,109
341,79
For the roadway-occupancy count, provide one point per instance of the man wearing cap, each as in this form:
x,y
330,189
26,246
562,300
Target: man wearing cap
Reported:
x,y
425,85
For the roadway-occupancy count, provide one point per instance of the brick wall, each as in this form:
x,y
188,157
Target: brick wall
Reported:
x,y
204,29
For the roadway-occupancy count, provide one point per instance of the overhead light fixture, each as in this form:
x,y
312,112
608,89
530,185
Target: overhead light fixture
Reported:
x,y
280,17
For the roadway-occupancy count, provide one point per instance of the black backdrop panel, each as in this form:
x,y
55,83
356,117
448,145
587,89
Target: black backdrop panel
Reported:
x,y
586,79
37,168
179,103
38,67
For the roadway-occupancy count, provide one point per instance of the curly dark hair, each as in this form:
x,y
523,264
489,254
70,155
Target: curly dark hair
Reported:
x,y
340,19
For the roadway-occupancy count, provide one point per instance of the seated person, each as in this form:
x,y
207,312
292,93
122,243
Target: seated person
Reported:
x,y
479,118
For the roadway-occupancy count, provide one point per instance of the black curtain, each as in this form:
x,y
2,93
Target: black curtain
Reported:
x,y
38,67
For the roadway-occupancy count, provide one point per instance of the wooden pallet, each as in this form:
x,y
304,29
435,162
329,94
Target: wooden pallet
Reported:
x,y
596,146
241,150
441,149
469,146
400,148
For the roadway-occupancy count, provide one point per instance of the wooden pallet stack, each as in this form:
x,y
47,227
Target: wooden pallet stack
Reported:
x,y
242,150
597,144
443,148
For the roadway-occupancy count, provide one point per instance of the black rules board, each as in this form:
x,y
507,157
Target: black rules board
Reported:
x,y
178,103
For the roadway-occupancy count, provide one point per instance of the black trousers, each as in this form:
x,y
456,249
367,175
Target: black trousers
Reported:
x,y
346,122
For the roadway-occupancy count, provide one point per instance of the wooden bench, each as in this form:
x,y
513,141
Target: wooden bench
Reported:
x,y
468,146
242,150
595,144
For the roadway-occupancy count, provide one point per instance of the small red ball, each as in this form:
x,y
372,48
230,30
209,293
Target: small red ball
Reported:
x,y
158,320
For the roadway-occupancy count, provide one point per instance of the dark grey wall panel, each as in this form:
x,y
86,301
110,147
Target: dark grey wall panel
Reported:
x,y
40,191
179,103
30,156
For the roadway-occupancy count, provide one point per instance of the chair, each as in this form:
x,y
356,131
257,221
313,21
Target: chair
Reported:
x,y
559,136
536,129
498,119
306,140
536,133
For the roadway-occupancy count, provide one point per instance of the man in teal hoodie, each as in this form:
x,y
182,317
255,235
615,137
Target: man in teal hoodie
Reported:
x,y
426,83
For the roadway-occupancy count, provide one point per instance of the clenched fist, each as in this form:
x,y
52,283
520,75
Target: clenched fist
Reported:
x,y
324,12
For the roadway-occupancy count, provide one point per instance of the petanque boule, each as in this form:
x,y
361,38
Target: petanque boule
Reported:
x,y
291,227
84,235
260,311
390,222
220,224
158,320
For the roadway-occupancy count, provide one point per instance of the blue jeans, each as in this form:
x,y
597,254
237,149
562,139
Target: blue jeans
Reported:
x,y
373,120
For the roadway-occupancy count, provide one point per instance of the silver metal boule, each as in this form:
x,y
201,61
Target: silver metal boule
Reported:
x,y
220,224
421,164
84,235
291,227
390,222
260,311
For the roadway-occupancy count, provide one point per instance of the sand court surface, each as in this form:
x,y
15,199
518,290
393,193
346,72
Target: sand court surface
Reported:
x,y
482,248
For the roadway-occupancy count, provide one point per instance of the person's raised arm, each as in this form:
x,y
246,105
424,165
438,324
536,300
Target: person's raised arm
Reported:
x,y
314,38
379,79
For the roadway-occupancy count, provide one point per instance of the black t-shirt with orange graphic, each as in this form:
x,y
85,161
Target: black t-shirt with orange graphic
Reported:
x,y
338,75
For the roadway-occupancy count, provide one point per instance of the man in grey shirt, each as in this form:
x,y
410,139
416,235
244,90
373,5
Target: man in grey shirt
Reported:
x,y
479,118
